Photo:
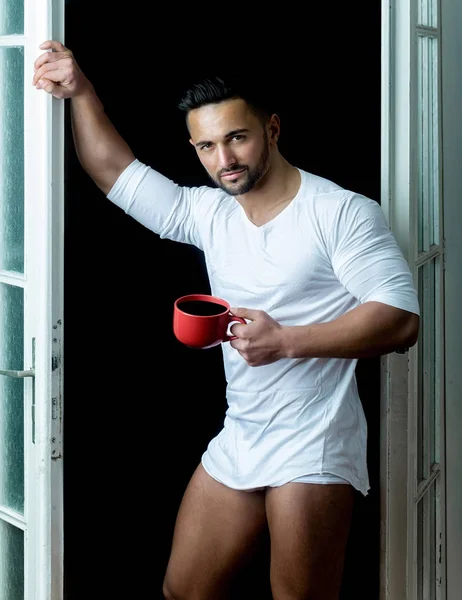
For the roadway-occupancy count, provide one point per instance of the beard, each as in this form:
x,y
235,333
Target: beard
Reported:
x,y
249,178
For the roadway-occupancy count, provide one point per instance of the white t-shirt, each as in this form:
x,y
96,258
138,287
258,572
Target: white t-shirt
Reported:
x,y
327,252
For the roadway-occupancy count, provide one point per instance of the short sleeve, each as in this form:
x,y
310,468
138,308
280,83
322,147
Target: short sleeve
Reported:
x,y
161,205
366,257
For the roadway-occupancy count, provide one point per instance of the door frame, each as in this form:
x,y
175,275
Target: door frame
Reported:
x,y
44,305
405,23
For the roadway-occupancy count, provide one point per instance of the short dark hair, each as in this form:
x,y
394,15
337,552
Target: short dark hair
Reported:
x,y
215,89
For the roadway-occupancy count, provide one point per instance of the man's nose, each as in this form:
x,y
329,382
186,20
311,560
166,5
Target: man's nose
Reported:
x,y
226,158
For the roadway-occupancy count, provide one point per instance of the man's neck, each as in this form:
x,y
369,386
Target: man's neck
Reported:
x,y
273,194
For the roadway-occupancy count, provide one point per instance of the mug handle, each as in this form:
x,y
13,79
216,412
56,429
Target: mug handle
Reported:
x,y
233,319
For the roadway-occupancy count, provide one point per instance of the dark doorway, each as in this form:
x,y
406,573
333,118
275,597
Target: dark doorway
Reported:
x,y
140,409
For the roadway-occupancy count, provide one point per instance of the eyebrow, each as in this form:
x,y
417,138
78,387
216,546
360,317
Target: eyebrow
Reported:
x,y
227,135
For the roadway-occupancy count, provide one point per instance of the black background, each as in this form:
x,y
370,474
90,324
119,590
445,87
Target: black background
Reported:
x,y
139,408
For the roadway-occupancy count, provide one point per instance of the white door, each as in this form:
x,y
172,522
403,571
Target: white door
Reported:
x,y
31,310
451,60
421,195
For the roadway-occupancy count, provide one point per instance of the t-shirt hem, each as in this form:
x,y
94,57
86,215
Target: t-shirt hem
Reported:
x,y
359,485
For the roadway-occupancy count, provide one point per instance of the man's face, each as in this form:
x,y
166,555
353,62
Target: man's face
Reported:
x,y
231,143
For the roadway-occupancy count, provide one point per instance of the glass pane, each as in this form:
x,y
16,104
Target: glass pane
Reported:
x,y
428,14
12,398
12,159
429,543
11,562
428,138
11,17
429,369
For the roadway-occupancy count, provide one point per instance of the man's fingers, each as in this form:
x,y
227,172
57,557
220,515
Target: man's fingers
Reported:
x,y
47,85
49,68
50,57
53,76
59,51
245,313
53,45
45,71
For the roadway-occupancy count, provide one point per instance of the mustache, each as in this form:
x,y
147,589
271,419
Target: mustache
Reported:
x,y
233,170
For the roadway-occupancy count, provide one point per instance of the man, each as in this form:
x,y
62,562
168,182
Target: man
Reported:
x,y
320,281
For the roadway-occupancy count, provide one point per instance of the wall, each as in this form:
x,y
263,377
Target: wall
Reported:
x,y
140,409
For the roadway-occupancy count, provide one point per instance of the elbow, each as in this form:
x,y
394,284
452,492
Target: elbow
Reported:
x,y
410,332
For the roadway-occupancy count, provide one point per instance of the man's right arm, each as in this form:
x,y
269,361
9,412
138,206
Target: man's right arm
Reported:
x,y
101,150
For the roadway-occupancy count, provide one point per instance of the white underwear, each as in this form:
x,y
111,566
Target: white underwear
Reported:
x,y
319,478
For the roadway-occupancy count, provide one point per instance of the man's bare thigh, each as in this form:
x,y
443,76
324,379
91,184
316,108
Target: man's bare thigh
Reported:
x,y
216,532
309,526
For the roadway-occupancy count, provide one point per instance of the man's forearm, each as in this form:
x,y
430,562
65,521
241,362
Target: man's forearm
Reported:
x,y
101,150
371,329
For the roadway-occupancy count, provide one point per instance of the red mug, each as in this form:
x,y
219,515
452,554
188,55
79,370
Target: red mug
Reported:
x,y
202,320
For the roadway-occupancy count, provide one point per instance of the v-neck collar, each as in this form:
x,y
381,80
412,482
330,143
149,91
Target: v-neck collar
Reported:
x,y
281,215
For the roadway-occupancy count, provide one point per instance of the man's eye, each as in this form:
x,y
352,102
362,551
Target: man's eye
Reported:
x,y
238,137
206,146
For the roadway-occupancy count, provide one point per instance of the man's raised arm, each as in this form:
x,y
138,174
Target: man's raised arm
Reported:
x,y
101,150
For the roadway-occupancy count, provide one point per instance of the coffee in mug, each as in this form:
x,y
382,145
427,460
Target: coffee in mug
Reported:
x,y
202,308
202,320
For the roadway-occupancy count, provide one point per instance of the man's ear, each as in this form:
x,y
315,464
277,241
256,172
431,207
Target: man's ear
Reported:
x,y
274,128
191,142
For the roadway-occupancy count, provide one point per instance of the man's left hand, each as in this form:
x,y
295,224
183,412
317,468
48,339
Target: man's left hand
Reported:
x,y
260,341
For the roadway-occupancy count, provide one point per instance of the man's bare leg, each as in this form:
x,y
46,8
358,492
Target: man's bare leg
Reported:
x,y
216,532
309,526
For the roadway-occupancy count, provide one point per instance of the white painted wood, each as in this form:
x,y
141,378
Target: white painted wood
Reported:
x,y
403,21
451,21
44,223
395,202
